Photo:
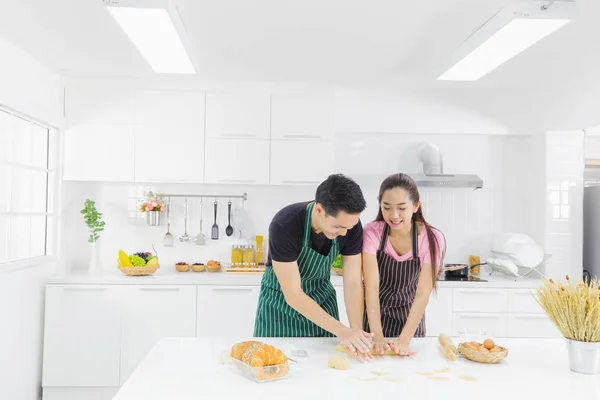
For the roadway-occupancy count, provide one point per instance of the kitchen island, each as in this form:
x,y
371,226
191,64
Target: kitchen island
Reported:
x,y
193,368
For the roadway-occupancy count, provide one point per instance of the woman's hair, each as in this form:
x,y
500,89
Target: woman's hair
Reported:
x,y
405,182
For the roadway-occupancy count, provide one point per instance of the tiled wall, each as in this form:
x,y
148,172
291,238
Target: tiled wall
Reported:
x,y
564,202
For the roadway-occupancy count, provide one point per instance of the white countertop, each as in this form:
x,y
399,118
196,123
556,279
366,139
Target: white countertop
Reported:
x,y
190,368
167,275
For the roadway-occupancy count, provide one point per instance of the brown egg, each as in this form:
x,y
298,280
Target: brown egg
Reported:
x,y
483,350
469,346
475,344
495,349
489,344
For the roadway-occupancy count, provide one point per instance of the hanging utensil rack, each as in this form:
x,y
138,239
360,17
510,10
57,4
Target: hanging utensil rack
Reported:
x,y
243,196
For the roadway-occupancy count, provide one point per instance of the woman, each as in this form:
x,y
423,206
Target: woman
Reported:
x,y
402,254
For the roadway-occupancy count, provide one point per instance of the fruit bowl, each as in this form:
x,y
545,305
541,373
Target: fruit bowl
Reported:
x,y
138,264
138,271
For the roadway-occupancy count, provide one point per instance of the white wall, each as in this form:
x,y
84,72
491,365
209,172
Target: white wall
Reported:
x,y
30,89
467,217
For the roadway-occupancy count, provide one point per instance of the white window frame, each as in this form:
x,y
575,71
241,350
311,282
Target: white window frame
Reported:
x,y
52,189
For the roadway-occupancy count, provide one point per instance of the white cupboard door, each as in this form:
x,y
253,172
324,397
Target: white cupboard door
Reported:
x,y
493,324
99,153
237,161
302,116
296,162
97,104
169,136
81,336
238,115
226,310
438,314
339,292
481,299
532,326
151,312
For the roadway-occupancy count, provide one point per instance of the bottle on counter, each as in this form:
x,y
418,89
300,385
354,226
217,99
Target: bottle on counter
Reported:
x,y
474,260
259,251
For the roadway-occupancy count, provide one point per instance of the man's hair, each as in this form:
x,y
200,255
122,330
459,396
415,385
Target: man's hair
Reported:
x,y
340,193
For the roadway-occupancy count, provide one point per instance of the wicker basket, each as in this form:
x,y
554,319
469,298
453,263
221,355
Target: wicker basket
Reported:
x,y
487,358
182,267
198,268
139,271
338,271
214,268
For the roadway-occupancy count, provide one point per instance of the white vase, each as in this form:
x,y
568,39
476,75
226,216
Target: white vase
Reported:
x,y
95,266
584,357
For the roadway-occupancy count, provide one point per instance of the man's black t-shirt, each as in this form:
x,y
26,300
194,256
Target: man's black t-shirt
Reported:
x,y
286,233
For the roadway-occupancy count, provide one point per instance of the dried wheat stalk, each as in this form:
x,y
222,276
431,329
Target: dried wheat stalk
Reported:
x,y
573,307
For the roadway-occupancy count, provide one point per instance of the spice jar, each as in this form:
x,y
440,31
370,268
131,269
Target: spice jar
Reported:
x,y
236,255
248,256
259,252
474,260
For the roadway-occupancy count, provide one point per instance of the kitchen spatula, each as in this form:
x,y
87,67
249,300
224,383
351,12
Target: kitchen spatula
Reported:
x,y
215,227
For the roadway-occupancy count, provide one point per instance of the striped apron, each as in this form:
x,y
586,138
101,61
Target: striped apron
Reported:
x,y
397,288
274,317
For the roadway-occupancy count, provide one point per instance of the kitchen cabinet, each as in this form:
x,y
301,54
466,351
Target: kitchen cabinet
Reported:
x,y
297,162
305,116
99,139
494,324
237,161
151,312
532,326
99,152
479,300
82,336
169,136
438,314
226,310
238,115
343,312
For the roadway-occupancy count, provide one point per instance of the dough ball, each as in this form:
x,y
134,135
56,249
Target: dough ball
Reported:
x,y
338,361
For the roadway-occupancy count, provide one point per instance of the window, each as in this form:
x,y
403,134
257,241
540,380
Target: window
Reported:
x,y
26,185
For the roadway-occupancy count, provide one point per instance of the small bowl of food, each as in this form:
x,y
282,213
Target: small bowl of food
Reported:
x,y
198,267
182,266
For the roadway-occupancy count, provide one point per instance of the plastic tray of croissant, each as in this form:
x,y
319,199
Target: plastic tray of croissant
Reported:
x,y
259,362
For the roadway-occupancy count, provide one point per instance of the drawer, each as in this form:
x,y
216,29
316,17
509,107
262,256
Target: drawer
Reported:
x,y
480,300
492,323
532,326
522,301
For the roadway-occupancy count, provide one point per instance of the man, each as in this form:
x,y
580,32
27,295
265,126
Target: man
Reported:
x,y
297,298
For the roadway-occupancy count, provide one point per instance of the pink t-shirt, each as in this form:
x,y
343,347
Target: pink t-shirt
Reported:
x,y
373,232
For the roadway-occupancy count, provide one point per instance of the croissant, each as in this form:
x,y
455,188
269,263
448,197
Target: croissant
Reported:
x,y
259,355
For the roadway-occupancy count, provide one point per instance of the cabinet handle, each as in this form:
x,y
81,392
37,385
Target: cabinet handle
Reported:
x,y
84,289
160,289
478,291
232,289
239,135
236,181
533,316
302,136
301,182
480,316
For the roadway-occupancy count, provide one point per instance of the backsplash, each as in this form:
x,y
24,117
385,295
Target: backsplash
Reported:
x,y
467,217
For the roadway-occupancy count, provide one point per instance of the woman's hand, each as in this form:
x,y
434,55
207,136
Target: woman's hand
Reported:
x,y
357,341
380,344
401,346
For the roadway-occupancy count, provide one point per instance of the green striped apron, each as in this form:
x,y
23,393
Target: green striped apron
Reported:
x,y
274,317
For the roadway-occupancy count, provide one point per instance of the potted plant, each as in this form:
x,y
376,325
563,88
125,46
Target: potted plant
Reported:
x,y
336,266
93,220
575,310
152,205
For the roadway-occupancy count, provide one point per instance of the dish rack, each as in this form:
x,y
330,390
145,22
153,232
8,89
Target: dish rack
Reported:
x,y
520,273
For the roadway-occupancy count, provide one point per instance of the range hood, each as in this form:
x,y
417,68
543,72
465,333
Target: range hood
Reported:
x,y
433,172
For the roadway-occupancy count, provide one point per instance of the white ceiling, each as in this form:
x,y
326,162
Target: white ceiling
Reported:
x,y
348,42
